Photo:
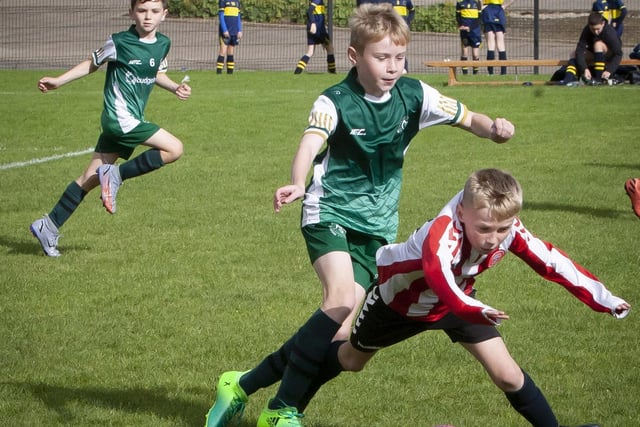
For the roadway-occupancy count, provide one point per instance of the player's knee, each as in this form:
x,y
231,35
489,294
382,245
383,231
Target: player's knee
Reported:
x,y
179,150
173,153
337,313
351,359
352,364
599,46
340,301
509,379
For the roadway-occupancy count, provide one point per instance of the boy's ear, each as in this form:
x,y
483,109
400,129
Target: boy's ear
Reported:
x,y
352,54
459,211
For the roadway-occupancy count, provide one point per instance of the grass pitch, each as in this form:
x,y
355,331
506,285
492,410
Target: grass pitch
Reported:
x,y
196,275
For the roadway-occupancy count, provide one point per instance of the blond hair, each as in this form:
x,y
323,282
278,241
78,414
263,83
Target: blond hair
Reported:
x,y
494,189
372,22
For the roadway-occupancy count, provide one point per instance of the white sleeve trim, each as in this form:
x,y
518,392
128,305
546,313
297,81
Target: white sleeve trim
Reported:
x,y
323,117
439,109
105,54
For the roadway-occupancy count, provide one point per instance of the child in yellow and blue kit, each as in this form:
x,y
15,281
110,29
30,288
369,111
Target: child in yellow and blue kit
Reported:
x,y
468,20
229,33
494,22
317,35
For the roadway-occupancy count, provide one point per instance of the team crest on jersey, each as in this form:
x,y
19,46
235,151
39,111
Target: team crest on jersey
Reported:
x,y
497,256
337,230
403,124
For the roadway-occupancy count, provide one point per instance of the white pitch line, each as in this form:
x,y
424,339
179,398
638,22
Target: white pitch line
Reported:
x,y
43,159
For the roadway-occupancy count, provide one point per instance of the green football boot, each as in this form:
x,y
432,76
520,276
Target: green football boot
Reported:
x,y
281,417
230,401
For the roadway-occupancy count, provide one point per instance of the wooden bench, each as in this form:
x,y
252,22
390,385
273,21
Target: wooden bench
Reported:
x,y
453,65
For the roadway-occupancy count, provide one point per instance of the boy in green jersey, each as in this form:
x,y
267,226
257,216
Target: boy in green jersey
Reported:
x,y
350,207
136,61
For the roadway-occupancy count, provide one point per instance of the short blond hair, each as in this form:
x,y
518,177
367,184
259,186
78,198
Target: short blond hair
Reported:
x,y
371,22
494,189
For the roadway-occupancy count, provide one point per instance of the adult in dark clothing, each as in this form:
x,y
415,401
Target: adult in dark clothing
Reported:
x,y
598,52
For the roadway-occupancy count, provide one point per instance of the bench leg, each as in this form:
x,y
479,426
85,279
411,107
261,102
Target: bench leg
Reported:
x,y
452,76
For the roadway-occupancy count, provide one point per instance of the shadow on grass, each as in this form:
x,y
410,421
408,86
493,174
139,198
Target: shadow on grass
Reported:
x,y
30,246
22,246
156,401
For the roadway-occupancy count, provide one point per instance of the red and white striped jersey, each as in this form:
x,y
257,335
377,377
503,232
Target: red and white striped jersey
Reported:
x,y
433,272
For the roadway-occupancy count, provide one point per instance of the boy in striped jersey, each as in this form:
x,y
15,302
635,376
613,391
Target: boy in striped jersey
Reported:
x,y
427,283
137,62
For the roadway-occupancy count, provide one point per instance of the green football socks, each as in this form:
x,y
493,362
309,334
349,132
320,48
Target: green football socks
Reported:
x,y
146,162
68,203
307,355
269,371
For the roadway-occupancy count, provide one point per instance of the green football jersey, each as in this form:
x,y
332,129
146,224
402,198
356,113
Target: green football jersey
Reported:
x,y
357,178
131,74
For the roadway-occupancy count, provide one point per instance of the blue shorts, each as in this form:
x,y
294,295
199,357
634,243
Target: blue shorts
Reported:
x,y
232,40
320,37
494,19
471,38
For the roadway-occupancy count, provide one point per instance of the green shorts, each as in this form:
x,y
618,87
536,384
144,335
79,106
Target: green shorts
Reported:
x,y
329,237
125,143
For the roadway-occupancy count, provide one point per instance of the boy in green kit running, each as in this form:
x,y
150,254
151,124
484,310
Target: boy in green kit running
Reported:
x,y
350,208
136,61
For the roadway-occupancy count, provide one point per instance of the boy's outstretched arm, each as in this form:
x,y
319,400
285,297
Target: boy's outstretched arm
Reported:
x,y
555,265
309,147
499,130
182,90
84,68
